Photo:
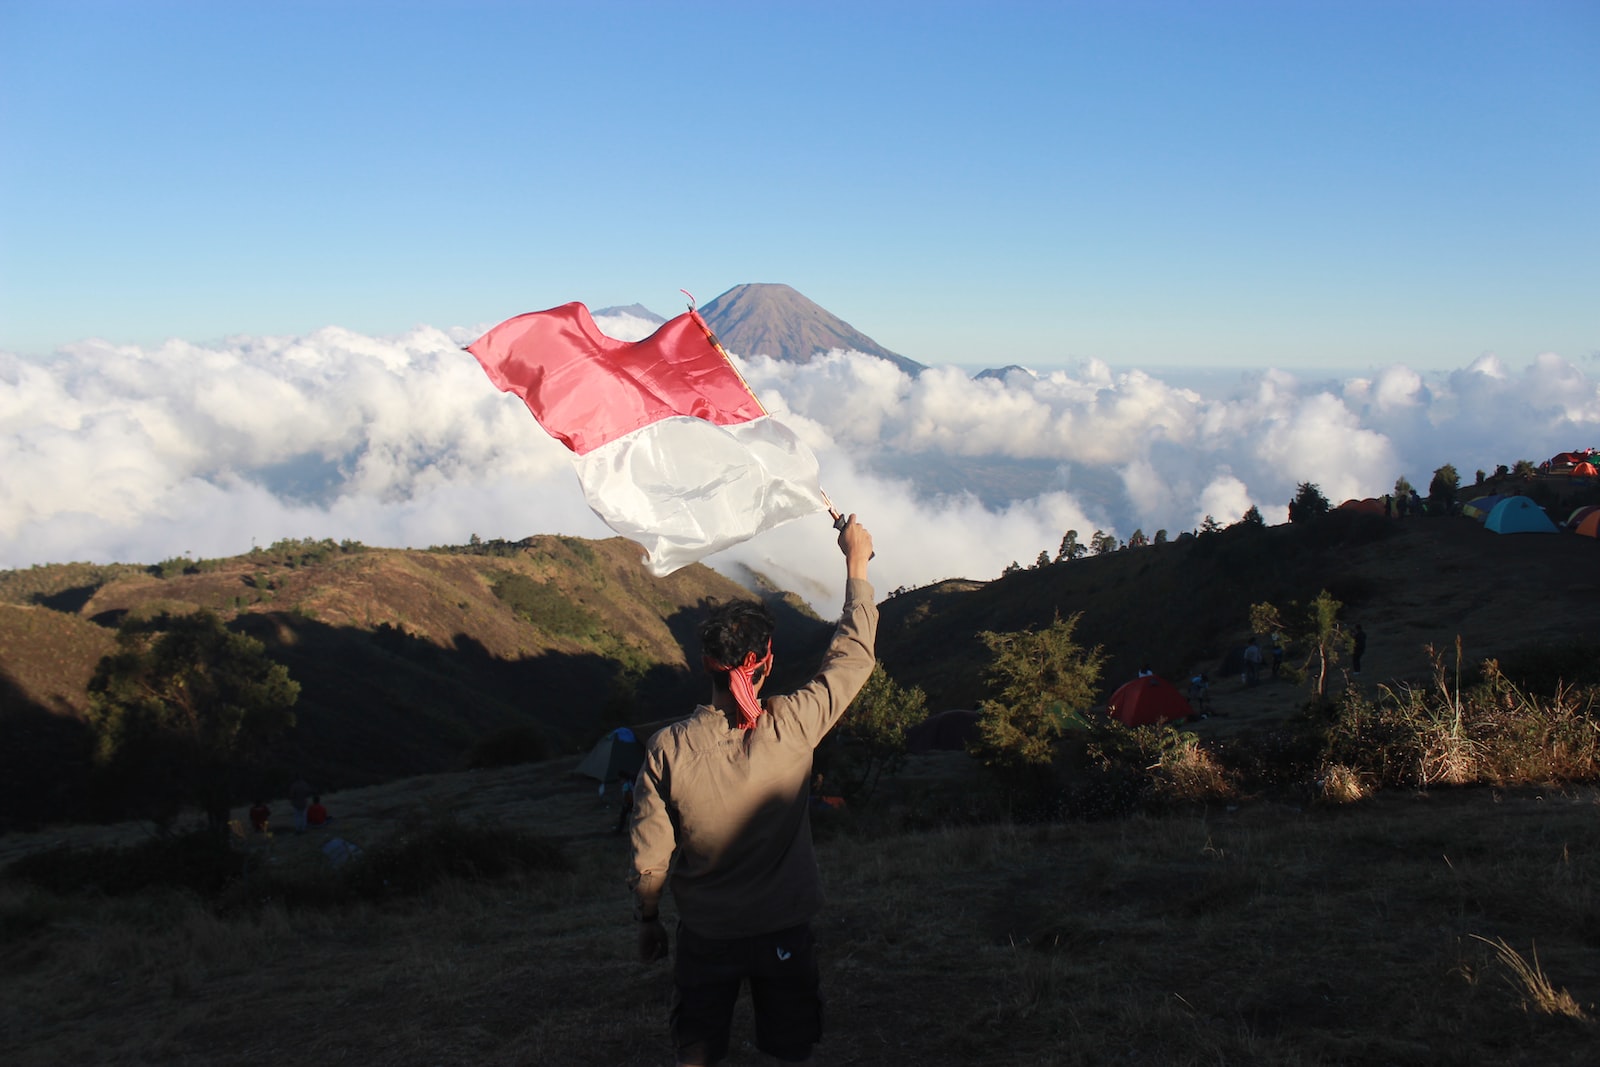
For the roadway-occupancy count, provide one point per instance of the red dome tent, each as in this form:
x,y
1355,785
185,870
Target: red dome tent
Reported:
x,y
1146,701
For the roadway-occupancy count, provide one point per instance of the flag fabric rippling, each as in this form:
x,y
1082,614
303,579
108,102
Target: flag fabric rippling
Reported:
x,y
671,447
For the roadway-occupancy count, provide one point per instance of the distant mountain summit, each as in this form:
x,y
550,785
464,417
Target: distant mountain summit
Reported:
x,y
763,319
1002,373
637,311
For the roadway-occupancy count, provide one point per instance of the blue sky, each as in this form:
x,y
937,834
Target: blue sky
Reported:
x,y
1151,184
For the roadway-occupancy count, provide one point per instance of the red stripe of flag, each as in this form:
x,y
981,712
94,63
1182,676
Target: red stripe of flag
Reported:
x,y
587,389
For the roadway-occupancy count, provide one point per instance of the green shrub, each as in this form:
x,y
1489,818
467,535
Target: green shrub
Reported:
x,y
871,739
545,606
494,547
579,548
1116,770
293,552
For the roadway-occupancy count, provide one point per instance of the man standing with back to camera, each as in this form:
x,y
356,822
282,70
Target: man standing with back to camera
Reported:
x,y
727,792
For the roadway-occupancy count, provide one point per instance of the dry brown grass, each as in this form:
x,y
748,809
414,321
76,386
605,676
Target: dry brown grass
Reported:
x,y
1448,733
1528,980
1255,935
1192,774
1341,784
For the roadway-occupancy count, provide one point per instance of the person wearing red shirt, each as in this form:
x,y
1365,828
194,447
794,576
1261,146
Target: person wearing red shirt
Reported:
x,y
316,814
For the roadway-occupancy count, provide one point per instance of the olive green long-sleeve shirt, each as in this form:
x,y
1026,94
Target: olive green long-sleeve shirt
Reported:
x,y
732,804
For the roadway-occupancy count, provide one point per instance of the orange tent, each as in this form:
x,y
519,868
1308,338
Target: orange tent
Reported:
x,y
1370,506
1579,514
1590,526
1585,470
1148,700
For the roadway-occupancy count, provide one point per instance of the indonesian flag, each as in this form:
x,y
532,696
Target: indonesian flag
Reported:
x,y
672,448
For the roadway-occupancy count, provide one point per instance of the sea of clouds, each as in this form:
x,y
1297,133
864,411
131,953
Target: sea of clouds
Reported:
x,y
122,453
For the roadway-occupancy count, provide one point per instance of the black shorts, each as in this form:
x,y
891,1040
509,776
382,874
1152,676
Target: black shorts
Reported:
x,y
785,991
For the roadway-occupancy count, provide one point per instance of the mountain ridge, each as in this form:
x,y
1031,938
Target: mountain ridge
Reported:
x,y
772,319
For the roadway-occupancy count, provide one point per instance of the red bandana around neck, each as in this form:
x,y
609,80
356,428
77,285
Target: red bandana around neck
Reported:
x,y
740,684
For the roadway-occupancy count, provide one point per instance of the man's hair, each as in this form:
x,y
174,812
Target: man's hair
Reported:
x,y
735,628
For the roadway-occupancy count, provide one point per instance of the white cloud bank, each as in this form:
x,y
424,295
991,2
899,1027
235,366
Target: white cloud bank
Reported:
x,y
139,454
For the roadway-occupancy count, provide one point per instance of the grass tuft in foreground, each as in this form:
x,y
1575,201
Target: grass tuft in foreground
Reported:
x,y
1528,980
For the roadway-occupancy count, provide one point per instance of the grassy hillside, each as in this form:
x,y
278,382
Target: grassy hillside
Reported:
x,y
1182,606
406,659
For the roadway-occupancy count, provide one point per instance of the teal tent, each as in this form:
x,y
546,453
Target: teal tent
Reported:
x,y
1518,514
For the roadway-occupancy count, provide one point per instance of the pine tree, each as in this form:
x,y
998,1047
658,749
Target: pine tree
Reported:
x,y
1442,490
1309,504
1042,680
1070,548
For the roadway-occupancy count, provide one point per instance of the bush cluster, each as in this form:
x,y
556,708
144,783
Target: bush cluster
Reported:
x,y
1454,733
180,565
545,606
1111,770
477,546
295,552
871,739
